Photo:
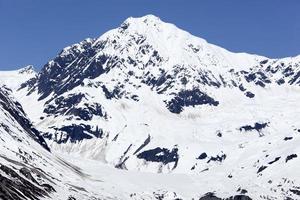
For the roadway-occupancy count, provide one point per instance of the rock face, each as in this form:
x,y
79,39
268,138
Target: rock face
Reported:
x,y
14,109
13,123
154,97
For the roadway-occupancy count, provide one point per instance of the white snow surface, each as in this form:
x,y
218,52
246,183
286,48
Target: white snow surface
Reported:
x,y
13,79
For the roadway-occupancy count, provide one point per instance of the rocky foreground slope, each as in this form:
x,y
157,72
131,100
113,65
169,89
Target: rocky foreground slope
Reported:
x,y
28,169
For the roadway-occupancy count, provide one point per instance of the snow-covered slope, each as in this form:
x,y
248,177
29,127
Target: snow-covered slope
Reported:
x,y
14,79
150,97
28,169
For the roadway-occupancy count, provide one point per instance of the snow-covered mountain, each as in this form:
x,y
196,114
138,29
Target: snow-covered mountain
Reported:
x,y
28,169
150,97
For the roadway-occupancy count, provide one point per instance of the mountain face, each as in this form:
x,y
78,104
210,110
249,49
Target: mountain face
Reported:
x,y
28,170
150,97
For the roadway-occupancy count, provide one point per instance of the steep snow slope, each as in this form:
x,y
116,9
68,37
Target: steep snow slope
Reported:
x,y
14,79
28,170
150,97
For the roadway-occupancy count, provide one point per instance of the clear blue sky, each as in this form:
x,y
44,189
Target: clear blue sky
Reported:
x,y
34,31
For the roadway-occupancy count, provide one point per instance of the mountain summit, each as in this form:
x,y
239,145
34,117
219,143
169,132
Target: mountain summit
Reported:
x,y
135,46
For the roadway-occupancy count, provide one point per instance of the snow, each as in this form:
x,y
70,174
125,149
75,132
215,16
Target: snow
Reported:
x,y
194,131
13,79
172,43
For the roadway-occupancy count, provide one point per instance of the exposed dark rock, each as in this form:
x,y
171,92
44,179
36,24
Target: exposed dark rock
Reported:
x,y
290,157
297,192
288,71
75,133
15,187
63,104
219,134
242,191
261,169
162,155
295,78
275,160
189,98
249,94
16,111
146,142
260,83
202,156
115,93
250,77
123,159
280,81
217,158
288,138
264,62
239,197
68,106
259,78
257,126
212,196
70,67
30,83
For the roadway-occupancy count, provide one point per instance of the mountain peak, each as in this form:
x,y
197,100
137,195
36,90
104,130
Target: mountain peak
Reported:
x,y
147,19
27,70
144,23
136,45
